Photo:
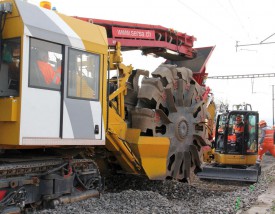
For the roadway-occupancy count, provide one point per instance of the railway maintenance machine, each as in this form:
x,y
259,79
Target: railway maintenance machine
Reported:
x,y
66,122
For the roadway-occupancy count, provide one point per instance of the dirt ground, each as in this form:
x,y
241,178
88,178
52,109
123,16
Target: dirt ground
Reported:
x,y
266,202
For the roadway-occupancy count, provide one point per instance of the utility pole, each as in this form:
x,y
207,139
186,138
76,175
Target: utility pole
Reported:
x,y
273,105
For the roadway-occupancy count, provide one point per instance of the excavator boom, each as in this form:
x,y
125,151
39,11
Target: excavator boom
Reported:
x,y
176,47
148,38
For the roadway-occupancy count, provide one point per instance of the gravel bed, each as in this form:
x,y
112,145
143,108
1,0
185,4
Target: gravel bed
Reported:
x,y
133,194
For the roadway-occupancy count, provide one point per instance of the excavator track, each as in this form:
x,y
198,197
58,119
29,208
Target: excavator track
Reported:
x,y
44,182
170,104
13,168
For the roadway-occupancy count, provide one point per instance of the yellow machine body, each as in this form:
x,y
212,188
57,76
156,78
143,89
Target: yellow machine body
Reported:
x,y
79,111
151,152
230,159
233,155
136,154
27,122
210,156
65,120
27,112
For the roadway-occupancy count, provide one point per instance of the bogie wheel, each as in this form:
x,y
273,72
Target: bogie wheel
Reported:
x,y
170,105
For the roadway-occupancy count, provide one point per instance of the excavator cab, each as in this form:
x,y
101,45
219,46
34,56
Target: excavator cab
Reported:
x,y
237,133
235,148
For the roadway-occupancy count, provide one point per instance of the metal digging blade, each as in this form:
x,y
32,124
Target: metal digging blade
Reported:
x,y
230,174
170,105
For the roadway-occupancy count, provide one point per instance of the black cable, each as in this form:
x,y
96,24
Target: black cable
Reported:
x,y
4,21
79,180
11,196
2,25
108,94
54,169
1,39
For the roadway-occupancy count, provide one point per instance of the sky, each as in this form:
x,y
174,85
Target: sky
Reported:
x,y
219,23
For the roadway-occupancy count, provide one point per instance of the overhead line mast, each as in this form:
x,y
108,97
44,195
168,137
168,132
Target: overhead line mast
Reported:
x,y
252,76
253,44
242,76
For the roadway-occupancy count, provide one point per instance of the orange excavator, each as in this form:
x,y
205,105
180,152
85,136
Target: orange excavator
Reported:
x,y
233,156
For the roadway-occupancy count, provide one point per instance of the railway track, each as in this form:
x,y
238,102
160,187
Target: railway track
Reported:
x,y
132,194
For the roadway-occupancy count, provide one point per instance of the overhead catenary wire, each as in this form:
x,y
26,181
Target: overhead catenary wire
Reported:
x,y
223,31
253,44
207,20
234,16
238,17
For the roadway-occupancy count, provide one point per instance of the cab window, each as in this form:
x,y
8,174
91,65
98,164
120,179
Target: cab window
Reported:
x,y
10,68
252,133
83,77
45,64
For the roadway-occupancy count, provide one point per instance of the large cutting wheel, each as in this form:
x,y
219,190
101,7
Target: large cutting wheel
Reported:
x,y
170,105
